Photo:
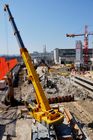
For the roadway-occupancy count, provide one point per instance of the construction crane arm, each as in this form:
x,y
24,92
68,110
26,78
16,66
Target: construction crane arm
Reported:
x,y
42,112
73,35
90,33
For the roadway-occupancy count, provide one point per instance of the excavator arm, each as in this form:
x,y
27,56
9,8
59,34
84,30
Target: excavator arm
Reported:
x,y
42,112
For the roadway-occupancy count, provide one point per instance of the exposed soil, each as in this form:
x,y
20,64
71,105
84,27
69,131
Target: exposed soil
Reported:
x,y
81,108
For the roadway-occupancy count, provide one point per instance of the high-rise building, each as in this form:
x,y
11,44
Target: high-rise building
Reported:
x,y
56,56
79,54
44,49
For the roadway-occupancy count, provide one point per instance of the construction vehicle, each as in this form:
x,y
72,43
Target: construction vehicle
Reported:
x,y
42,111
69,66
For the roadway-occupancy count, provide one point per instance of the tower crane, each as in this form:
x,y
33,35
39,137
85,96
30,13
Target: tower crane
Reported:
x,y
42,111
85,34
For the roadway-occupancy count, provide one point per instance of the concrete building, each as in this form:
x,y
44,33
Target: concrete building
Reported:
x,y
64,55
79,54
69,55
56,56
48,56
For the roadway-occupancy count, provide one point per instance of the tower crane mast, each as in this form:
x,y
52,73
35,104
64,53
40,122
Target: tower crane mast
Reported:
x,y
42,112
86,34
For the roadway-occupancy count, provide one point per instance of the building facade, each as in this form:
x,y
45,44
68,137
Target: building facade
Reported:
x,y
69,55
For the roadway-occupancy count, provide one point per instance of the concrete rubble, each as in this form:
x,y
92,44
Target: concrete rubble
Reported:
x,y
57,85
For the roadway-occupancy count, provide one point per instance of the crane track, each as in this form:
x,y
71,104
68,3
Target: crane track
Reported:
x,y
83,82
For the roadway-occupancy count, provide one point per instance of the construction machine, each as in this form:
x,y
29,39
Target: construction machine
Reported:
x,y
86,34
42,111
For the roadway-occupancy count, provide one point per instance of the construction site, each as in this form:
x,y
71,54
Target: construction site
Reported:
x,y
47,96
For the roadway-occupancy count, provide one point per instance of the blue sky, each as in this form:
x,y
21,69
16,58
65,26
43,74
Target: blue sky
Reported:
x,y
43,22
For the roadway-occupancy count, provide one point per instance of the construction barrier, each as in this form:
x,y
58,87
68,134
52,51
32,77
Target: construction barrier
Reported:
x,y
6,66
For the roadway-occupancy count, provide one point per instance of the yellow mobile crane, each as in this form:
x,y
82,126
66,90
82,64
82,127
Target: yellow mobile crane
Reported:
x,y
42,112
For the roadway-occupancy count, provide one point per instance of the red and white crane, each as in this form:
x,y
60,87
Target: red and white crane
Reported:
x,y
86,34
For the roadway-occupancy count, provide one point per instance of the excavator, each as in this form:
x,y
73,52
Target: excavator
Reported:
x,y
41,112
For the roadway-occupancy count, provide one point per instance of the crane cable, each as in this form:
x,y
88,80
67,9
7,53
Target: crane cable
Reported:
x,y
6,38
6,35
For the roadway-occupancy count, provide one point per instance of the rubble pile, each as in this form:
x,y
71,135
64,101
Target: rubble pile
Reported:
x,y
27,91
56,86
66,87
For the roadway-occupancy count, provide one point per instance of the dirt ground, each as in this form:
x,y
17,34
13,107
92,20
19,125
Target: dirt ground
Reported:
x,y
23,130
81,108
83,112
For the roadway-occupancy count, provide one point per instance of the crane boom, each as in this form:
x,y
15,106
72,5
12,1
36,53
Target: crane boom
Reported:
x,y
73,35
42,111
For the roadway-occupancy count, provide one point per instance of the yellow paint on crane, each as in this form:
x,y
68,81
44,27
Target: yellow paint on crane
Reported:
x,y
43,111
